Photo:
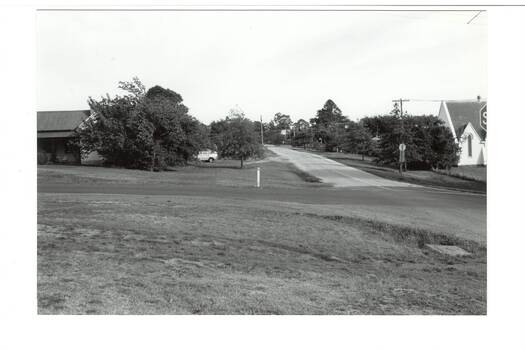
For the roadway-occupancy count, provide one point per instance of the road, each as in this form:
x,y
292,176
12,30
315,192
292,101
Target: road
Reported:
x,y
356,193
332,172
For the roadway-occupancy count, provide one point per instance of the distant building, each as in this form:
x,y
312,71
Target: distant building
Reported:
x,y
462,117
55,130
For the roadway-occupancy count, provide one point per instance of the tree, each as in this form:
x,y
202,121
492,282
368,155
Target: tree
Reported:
x,y
135,88
257,126
107,133
273,134
377,125
435,143
357,140
328,125
282,121
302,138
302,133
429,143
174,133
236,137
329,115
301,125
142,129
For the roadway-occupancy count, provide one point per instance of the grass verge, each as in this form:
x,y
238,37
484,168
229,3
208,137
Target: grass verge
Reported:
x,y
223,172
418,177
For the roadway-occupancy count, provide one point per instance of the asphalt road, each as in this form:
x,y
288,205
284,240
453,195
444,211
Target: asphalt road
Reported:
x,y
332,172
356,193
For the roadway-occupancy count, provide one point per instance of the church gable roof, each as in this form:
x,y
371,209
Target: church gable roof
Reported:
x,y
462,113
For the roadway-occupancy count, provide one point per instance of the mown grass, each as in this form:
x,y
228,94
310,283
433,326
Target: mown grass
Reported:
x,y
468,172
411,236
124,254
223,172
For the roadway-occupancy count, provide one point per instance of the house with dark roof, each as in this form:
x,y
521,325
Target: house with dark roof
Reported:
x,y
54,131
463,119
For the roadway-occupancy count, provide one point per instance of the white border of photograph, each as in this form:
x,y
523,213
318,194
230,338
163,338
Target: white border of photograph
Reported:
x,y
23,328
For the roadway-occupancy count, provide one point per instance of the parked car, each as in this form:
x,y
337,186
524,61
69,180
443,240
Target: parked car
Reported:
x,y
207,156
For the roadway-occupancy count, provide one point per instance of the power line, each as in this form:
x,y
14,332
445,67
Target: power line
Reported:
x,y
443,99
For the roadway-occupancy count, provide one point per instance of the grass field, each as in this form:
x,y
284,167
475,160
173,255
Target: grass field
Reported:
x,y
219,173
140,254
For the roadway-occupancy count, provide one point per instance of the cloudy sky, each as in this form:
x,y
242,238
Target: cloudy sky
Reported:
x,y
265,62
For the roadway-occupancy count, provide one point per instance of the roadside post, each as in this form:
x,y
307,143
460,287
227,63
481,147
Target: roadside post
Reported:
x,y
402,148
258,177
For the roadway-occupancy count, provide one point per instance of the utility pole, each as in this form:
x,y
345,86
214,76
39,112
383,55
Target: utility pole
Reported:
x,y
401,104
262,134
400,101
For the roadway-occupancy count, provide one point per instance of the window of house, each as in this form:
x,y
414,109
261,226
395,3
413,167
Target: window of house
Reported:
x,y
469,141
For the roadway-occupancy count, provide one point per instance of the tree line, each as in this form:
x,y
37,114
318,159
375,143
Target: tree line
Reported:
x,y
429,142
152,129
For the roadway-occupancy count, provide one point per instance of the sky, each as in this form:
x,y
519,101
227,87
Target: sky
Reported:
x,y
264,62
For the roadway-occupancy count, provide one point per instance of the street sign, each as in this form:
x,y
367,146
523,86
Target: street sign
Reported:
x,y
402,147
483,117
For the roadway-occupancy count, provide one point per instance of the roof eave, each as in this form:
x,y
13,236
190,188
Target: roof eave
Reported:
x,y
447,113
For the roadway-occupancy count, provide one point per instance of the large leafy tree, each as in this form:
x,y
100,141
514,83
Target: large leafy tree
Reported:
x,y
301,124
357,139
378,125
302,138
142,129
282,121
328,125
273,134
429,143
108,132
329,115
175,135
435,142
302,133
235,137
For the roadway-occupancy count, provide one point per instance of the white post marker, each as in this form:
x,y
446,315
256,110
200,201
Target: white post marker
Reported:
x,y
258,177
